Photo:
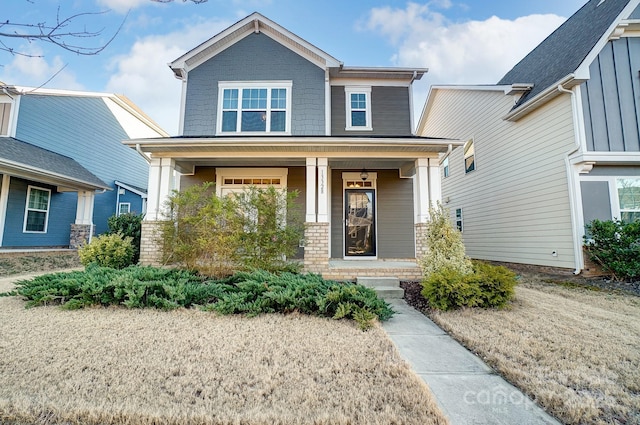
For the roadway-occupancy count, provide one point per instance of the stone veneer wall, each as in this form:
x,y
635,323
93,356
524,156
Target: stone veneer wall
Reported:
x,y
421,240
316,248
150,244
80,235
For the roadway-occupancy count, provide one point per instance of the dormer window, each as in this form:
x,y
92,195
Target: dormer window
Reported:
x,y
358,107
254,107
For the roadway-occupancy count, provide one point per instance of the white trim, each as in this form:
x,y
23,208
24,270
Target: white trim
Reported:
x,y
240,86
183,103
377,82
27,209
11,130
120,205
130,189
323,191
310,207
350,90
355,176
327,103
4,200
222,173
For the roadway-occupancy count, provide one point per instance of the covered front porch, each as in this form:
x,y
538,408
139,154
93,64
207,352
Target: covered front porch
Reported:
x,y
365,200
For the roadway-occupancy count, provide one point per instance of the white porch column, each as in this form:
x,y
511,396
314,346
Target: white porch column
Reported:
x,y
4,199
323,190
311,190
435,189
84,209
161,183
422,190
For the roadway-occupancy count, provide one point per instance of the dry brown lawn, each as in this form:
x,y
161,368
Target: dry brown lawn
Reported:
x,y
577,352
118,366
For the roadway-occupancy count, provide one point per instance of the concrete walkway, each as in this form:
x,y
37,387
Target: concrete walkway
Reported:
x,y
466,389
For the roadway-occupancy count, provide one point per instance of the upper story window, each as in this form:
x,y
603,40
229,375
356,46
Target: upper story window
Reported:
x,y
629,199
469,156
254,107
5,115
358,107
445,167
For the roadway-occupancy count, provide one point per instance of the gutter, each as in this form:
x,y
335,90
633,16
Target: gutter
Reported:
x,y
541,98
572,183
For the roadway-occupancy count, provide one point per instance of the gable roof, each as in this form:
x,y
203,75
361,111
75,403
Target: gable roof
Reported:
x,y
566,51
29,161
254,23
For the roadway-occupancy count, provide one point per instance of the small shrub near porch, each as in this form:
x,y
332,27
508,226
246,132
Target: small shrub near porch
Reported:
x,y
450,279
259,228
615,245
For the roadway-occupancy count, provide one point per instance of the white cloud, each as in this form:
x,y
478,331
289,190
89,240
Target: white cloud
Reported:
x,y
122,6
470,52
143,76
36,71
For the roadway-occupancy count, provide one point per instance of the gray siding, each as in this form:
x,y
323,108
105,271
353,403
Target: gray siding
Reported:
x,y
83,128
595,200
256,58
390,112
615,171
394,215
635,14
611,98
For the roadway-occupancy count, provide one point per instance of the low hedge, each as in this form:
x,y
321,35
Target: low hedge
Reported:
x,y
250,293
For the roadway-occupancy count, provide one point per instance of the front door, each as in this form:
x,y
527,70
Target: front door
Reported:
x,y
360,225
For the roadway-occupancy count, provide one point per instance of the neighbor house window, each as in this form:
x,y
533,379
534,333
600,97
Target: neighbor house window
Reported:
x,y
445,167
358,107
629,199
124,208
469,157
37,210
459,219
260,107
5,114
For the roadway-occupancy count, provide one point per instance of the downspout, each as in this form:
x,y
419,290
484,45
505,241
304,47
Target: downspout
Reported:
x,y
577,242
139,150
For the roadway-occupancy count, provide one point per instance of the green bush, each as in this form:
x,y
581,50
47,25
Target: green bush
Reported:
x,y
487,286
254,229
112,250
249,293
615,245
445,249
129,224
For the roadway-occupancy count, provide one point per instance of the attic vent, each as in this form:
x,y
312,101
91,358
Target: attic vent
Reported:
x,y
256,26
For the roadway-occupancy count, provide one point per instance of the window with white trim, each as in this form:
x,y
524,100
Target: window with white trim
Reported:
x,y
459,225
36,215
469,156
124,208
629,199
254,107
445,167
5,115
358,107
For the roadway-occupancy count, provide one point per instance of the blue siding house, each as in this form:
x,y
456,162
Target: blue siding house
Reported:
x,y
262,106
63,167
554,144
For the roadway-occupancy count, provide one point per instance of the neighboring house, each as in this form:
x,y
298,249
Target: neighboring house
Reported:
x,y
554,145
63,167
261,106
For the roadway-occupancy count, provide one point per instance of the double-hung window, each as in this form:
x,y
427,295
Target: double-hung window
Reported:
x,y
358,107
254,107
5,115
629,199
37,210
469,156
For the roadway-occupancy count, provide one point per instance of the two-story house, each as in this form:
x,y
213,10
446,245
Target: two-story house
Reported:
x,y
552,146
63,168
263,107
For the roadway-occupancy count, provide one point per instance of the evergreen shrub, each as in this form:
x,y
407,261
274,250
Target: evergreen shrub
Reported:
x,y
615,245
129,224
108,250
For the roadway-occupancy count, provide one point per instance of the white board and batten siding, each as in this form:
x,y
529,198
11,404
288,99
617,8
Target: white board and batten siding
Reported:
x,y
515,204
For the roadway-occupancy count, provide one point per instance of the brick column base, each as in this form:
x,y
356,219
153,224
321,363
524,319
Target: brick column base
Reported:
x,y
151,243
316,248
421,240
80,235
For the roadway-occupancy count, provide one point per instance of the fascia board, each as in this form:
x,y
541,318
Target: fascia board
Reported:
x,y
38,174
543,97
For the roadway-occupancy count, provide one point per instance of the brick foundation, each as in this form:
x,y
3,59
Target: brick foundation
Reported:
x,y
151,243
80,235
316,247
421,240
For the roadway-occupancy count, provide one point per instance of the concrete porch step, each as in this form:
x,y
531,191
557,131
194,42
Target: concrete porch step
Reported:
x,y
387,288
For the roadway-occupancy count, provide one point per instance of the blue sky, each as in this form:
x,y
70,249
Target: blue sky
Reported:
x,y
461,42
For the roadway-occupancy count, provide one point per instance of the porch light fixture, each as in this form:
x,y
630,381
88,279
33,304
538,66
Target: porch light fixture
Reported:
x,y
364,175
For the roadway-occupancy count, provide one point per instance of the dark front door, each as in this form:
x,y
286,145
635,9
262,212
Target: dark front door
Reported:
x,y
360,225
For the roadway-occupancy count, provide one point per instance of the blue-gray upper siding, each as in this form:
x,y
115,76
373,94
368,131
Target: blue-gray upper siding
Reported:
x,y
83,128
611,98
256,58
635,14
390,112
